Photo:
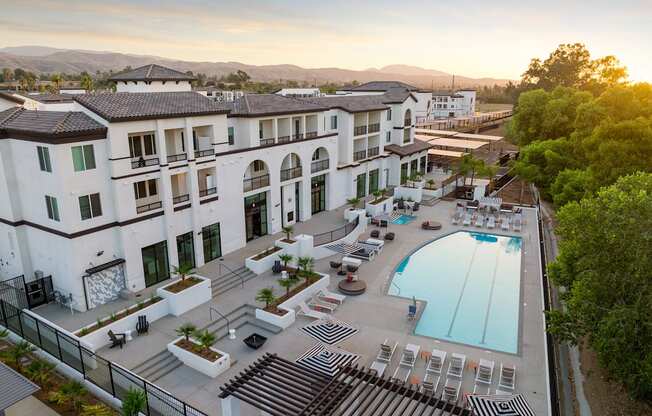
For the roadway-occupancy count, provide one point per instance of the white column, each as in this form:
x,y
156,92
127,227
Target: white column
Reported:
x,y
165,194
303,128
194,193
275,127
230,406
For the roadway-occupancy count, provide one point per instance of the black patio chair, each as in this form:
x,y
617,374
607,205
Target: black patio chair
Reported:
x,y
351,268
277,268
117,340
384,223
142,327
375,233
335,264
390,236
415,207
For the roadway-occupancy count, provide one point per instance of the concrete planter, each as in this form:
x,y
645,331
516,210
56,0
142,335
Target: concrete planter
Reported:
x,y
262,265
384,207
280,321
351,214
100,338
289,248
416,184
187,299
406,192
210,368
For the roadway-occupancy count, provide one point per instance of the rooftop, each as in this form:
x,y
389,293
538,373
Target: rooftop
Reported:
x,y
21,123
381,86
10,97
258,105
152,72
128,106
351,103
410,149
49,98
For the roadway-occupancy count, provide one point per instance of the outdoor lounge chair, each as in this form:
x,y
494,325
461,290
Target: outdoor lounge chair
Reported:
x,y
479,221
375,233
504,223
507,380
491,222
405,367
518,222
430,384
436,362
383,358
336,265
456,366
484,372
142,327
415,207
306,311
117,340
412,312
321,305
451,391
331,297
390,236
363,254
457,217
467,220
351,268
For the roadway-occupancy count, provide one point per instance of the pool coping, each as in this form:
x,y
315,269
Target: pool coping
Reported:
x,y
519,347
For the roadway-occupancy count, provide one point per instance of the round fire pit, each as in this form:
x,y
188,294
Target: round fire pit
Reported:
x,y
354,288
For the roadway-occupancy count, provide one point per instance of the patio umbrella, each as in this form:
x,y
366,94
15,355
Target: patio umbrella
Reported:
x,y
330,331
327,360
500,405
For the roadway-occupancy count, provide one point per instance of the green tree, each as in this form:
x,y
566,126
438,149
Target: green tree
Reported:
x,y
354,202
286,284
7,74
40,372
266,295
134,402
288,231
86,82
286,258
18,352
571,185
604,266
186,330
541,161
72,393
206,339
183,270
57,80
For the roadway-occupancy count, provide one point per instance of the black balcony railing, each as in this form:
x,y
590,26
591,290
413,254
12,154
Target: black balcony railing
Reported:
x,y
291,173
177,158
373,151
374,127
284,139
204,153
319,165
207,191
141,162
148,207
336,234
359,130
180,198
311,134
362,154
298,136
249,184
267,142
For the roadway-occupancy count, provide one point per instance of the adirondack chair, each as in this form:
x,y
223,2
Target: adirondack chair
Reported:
x,y
117,340
142,326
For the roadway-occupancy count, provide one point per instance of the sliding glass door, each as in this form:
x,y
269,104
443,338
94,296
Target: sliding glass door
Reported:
x,y
155,263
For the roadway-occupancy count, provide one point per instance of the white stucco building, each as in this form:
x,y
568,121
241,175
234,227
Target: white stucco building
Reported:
x,y
460,103
112,193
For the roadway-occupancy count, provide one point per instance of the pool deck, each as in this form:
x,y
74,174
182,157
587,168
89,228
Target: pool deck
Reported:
x,y
377,315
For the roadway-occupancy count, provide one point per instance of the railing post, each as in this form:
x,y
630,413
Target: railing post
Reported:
x,y
111,378
4,313
20,323
81,360
56,335
146,397
38,332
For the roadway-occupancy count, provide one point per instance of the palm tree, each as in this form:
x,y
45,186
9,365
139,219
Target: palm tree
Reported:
x,y
72,392
133,402
3,333
431,183
86,82
353,202
266,295
286,258
39,371
287,284
471,164
18,352
206,339
307,264
288,231
57,80
182,270
186,330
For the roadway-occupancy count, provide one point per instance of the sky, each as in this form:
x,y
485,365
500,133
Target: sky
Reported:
x,y
472,38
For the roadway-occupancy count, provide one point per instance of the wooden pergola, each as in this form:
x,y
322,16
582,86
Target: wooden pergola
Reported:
x,y
279,387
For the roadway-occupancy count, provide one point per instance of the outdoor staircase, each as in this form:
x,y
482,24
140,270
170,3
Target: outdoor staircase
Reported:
x,y
230,279
157,366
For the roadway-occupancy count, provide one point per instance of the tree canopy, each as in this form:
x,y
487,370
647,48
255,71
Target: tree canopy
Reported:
x,y
605,265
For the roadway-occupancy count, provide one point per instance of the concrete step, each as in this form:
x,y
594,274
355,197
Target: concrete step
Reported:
x,y
157,366
230,280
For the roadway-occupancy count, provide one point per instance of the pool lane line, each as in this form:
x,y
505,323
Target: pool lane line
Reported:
x,y
459,299
491,295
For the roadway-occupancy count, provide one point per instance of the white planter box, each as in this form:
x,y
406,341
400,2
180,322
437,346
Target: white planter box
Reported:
x,y
210,368
405,192
351,214
189,298
280,321
264,264
289,248
100,338
384,207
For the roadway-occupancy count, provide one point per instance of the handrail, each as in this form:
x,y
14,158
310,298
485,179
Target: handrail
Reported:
x,y
222,264
210,314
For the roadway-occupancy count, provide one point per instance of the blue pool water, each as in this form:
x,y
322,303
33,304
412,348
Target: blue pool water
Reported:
x,y
471,282
403,219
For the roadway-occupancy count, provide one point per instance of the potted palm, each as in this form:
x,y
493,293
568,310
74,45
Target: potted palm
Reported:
x,y
186,330
266,295
286,258
186,293
350,212
18,352
287,230
195,349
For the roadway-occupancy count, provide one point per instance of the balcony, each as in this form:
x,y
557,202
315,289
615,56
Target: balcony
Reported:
x,y
142,162
204,153
249,184
319,165
291,173
267,142
298,136
207,191
359,130
180,198
373,128
177,158
373,151
311,134
359,155
148,207
284,139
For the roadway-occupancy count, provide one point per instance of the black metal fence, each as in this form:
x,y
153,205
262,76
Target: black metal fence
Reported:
x,y
27,294
336,234
108,376
13,291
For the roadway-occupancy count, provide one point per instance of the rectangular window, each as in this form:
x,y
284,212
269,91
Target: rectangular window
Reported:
x,y
150,144
83,157
388,137
389,115
145,189
231,135
44,158
52,207
414,167
211,242
186,249
90,206
334,122
361,186
373,181
155,263
404,173
142,145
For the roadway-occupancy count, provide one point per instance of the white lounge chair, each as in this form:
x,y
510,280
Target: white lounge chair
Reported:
x,y
518,222
504,223
491,222
456,366
383,358
321,305
467,220
436,362
503,392
331,297
451,391
480,389
485,372
457,218
430,384
406,365
507,380
306,311
479,221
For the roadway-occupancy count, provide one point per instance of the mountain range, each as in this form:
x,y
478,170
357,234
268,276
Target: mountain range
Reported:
x,y
43,59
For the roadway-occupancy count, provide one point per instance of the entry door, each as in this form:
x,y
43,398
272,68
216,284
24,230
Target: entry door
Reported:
x,y
296,202
318,194
186,249
297,130
155,263
256,216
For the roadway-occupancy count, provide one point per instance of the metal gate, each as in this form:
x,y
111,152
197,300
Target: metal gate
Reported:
x,y
39,292
12,291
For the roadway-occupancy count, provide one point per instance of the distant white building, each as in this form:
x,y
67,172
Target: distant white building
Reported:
x,y
219,95
460,103
152,78
299,92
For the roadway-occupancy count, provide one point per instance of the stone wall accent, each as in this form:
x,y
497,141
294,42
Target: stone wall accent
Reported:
x,y
105,286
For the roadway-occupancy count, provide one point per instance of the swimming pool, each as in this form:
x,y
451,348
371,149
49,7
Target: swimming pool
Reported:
x,y
471,282
403,219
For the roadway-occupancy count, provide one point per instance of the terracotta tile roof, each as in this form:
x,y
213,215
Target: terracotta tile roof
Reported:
x,y
48,98
131,106
152,72
10,97
351,103
410,149
19,122
397,96
259,105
